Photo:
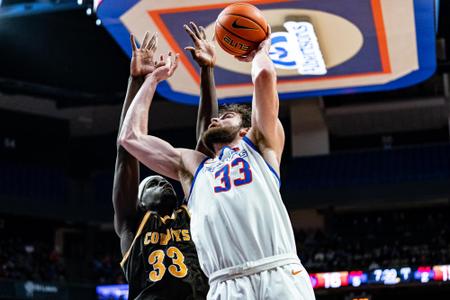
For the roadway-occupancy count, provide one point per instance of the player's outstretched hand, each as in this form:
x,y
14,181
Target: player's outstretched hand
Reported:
x,y
142,62
165,67
263,47
203,51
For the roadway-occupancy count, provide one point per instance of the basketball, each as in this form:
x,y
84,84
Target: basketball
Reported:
x,y
240,27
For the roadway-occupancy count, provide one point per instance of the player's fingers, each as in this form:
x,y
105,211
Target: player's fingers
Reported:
x,y
177,58
203,32
269,33
169,59
190,49
159,64
152,41
191,34
196,30
153,44
265,45
133,42
246,58
174,65
156,43
145,41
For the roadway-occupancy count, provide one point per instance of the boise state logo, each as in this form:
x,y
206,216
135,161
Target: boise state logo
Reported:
x,y
298,48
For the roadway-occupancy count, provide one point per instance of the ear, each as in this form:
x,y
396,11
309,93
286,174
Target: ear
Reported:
x,y
243,132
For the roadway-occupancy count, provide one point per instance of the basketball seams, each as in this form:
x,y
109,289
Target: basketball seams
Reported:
x,y
233,51
227,28
234,34
228,49
247,17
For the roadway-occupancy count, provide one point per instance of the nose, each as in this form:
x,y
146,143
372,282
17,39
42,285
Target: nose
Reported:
x,y
162,183
214,120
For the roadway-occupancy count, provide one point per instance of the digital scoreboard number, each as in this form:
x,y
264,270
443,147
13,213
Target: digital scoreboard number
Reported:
x,y
329,280
441,273
388,276
334,280
338,279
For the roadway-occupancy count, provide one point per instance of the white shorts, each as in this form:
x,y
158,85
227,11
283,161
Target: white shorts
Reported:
x,y
288,282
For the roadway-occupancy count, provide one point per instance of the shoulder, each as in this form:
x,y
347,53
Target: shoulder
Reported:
x,y
191,160
270,153
273,144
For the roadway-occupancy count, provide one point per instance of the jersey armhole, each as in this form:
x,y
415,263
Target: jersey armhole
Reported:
x,y
184,207
253,146
199,168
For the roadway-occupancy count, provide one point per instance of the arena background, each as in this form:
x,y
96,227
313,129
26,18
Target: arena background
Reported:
x,y
365,175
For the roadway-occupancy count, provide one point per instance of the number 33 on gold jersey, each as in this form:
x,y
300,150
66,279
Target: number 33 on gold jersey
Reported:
x,y
177,268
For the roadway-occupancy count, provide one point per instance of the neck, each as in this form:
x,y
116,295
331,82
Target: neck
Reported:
x,y
218,147
164,211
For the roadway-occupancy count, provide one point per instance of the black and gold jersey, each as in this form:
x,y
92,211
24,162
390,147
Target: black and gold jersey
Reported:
x,y
162,261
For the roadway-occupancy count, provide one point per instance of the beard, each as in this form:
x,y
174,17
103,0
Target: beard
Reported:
x,y
219,135
168,200
168,194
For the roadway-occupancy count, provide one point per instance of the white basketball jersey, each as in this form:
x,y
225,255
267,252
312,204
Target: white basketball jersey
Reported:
x,y
237,214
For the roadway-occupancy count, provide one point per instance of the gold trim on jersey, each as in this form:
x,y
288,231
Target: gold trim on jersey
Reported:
x,y
165,218
174,214
141,226
185,208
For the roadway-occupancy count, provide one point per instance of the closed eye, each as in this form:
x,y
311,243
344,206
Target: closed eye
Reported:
x,y
227,115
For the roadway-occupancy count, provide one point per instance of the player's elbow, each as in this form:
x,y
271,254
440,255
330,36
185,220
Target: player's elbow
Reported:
x,y
122,139
126,143
127,138
266,75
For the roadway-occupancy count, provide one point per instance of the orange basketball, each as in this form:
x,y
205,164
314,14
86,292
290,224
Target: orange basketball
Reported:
x,y
240,27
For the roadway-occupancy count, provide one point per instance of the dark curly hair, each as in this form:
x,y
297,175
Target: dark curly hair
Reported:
x,y
244,110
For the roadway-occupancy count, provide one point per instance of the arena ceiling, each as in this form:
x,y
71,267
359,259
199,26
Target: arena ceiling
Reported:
x,y
60,53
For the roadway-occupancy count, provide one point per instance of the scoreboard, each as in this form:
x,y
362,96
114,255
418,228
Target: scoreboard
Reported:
x,y
333,280
388,276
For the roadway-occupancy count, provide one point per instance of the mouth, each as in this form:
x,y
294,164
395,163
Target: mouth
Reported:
x,y
167,188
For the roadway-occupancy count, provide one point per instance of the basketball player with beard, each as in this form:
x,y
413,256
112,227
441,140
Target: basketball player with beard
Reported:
x,y
159,257
239,223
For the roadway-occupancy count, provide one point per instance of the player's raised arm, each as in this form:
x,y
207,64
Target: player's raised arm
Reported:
x,y
204,53
155,153
266,127
126,173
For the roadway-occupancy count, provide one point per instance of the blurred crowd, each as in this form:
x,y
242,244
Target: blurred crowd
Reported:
x,y
370,240
347,241
106,269
30,260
